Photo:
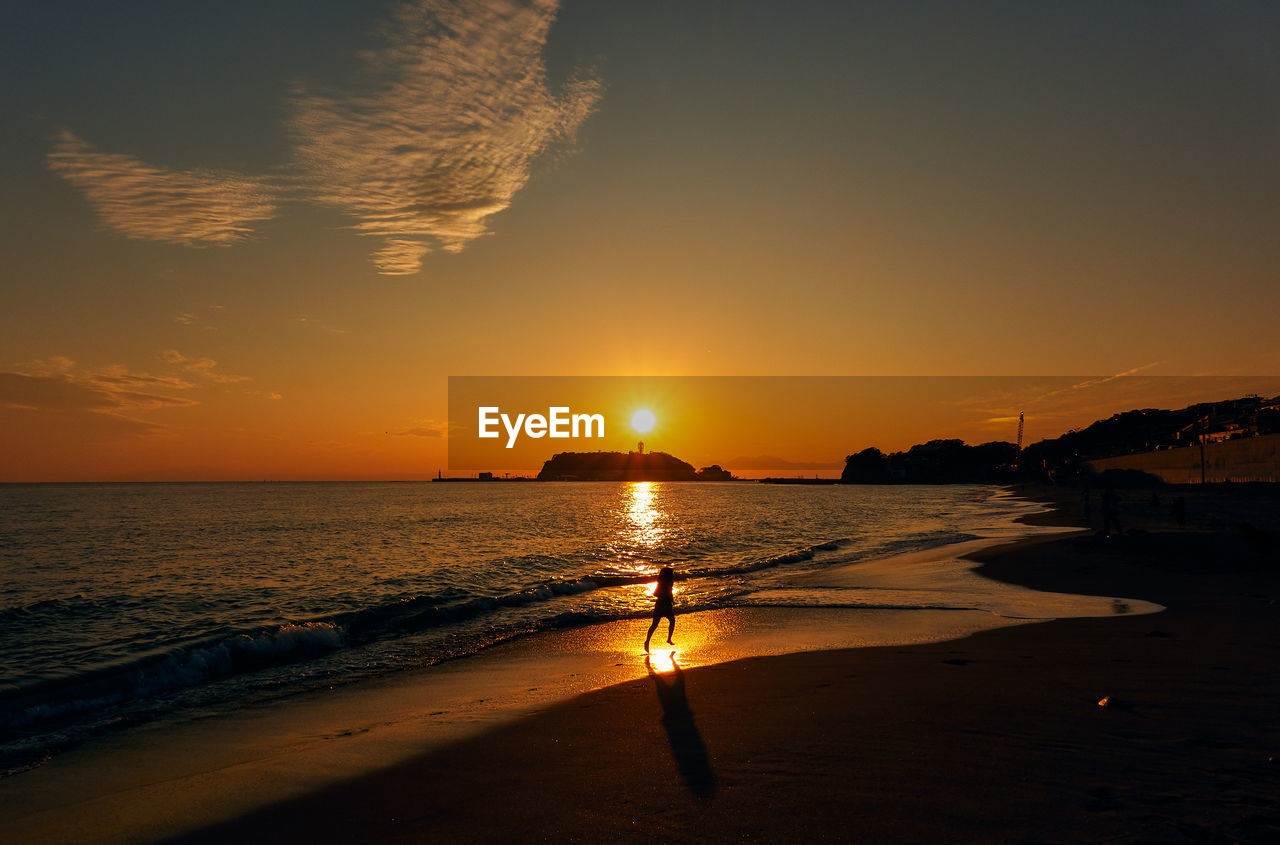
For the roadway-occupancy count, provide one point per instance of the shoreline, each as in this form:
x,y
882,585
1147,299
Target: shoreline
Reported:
x,y
785,556
367,805
996,737
213,666
280,749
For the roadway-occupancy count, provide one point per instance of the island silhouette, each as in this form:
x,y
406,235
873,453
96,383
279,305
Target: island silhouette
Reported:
x,y
626,466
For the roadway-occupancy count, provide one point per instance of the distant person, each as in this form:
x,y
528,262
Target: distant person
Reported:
x,y
1086,506
1180,511
1110,511
665,606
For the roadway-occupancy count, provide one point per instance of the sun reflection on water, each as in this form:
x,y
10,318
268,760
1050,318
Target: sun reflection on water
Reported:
x,y
643,514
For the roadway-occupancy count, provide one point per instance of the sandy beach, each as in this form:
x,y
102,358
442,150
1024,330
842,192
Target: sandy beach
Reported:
x,y
993,736
999,737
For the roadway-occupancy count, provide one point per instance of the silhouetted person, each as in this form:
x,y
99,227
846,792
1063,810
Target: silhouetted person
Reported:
x,y
1087,507
687,747
665,606
1180,511
1260,542
1110,511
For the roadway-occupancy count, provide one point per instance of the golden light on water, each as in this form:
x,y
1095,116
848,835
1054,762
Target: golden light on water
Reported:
x,y
643,514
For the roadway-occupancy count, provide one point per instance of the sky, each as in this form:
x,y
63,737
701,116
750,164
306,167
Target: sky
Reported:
x,y
248,241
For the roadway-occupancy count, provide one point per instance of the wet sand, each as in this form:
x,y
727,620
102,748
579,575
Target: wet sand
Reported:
x,y
173,776
998,737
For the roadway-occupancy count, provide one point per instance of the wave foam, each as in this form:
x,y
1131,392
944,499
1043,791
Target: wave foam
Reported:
x,y
153,674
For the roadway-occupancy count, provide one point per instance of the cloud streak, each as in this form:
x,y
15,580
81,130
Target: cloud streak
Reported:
x,y
1095,382
425,428
442,132
316,322
203,367
95,402
145,202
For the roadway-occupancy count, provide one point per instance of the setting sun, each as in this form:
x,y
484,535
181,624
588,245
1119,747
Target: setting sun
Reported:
x,y
643,421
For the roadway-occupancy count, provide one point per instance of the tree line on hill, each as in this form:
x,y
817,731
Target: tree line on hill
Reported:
x,y
935,462
1066,457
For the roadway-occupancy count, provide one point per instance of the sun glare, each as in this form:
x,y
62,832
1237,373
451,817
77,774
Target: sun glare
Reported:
x,y
645,529
643,421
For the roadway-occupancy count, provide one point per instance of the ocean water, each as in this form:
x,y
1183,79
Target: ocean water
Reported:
x,y
124,603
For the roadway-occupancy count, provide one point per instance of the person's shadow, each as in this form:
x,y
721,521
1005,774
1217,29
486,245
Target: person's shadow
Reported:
x,y
687,747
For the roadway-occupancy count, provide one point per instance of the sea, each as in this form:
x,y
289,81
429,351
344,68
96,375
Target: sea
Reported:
x,y
125,603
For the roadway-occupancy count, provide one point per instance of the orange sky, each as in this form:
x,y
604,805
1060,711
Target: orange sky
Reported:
x,y
261,249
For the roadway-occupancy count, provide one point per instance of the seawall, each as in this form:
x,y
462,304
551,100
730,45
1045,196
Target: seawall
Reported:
x,y
1246,459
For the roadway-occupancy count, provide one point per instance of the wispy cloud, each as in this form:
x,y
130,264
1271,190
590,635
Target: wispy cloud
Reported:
x,y
47,404
443,130
110,379
139,200
439,133
1054,404
53,365
203,367
117,377
1098,381
316,322
103,400
199,315
423,428
33,393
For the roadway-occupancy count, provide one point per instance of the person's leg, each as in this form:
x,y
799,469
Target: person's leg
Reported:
x,y
652,628
671,627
